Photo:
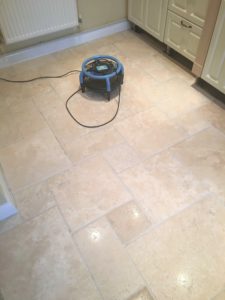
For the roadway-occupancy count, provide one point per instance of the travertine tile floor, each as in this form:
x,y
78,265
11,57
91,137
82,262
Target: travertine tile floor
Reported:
x,y
132,211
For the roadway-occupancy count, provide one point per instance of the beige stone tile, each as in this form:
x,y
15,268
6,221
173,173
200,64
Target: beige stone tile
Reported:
x,y
34,200
66,86
164,69
150,132
92,143
48,103
40,261
202,118
179,259
135,48
18,119
58,119
163,186
179,98
121,157
87,192
114,273
204,155
128,221
220,296
33,159
142,295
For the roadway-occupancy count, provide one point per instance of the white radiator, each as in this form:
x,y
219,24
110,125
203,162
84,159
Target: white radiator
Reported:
x,y
24,19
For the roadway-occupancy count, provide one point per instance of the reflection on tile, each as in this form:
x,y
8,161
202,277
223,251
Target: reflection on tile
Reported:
x,y
142,295
150,132
204,155
33,159
163,186
34,200
87,191
128,221
121,157
40,261
114,273
179,259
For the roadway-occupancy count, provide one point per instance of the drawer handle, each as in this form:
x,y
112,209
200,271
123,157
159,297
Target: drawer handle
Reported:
x,y
185,25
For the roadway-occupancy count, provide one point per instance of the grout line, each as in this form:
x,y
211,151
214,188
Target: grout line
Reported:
x,y
87,267
27,220
85,225
130,258
171,217
47,123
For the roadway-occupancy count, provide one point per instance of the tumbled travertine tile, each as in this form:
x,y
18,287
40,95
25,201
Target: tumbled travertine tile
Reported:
x,y
128,221
184,257
150,132
202,118
179,98
92,143
162,186
121,157
88,191
220,296
40,261
66,86
135,48
108,262
34,200
142,295
18,118
33,159
204,155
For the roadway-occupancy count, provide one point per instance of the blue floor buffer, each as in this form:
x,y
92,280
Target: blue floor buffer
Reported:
x,y
102,73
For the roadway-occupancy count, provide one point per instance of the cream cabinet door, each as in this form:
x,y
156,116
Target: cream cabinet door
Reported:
x,y
155,17
136,11
214,69
182,35
192,10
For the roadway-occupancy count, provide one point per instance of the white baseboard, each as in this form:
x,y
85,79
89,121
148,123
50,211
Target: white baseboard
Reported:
x,y
46,48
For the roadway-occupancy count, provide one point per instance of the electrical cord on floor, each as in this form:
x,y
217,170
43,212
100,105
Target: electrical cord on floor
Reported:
x,y
92,126
41,77
70,97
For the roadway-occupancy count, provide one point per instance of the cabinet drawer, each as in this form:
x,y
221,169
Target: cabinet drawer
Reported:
x,y
182,35
192,10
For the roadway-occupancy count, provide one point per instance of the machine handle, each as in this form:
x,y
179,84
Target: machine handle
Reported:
x,y
185,25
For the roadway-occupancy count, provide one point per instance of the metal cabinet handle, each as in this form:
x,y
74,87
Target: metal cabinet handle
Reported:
x,y
185,25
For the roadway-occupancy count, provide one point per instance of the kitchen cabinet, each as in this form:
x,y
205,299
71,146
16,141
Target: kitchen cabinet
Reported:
x,y
214,68
136,12
192,10
150,15
185,20
182,35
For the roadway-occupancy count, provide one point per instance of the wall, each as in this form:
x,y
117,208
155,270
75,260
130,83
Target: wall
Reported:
x,y
94,14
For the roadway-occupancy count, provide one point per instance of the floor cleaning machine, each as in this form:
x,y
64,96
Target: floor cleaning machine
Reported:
x,y
101,73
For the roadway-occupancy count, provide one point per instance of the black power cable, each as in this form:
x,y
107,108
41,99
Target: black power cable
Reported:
x,y
92,126
41,77
70,97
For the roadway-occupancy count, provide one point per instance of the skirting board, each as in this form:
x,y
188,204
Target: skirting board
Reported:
x,y
76,39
